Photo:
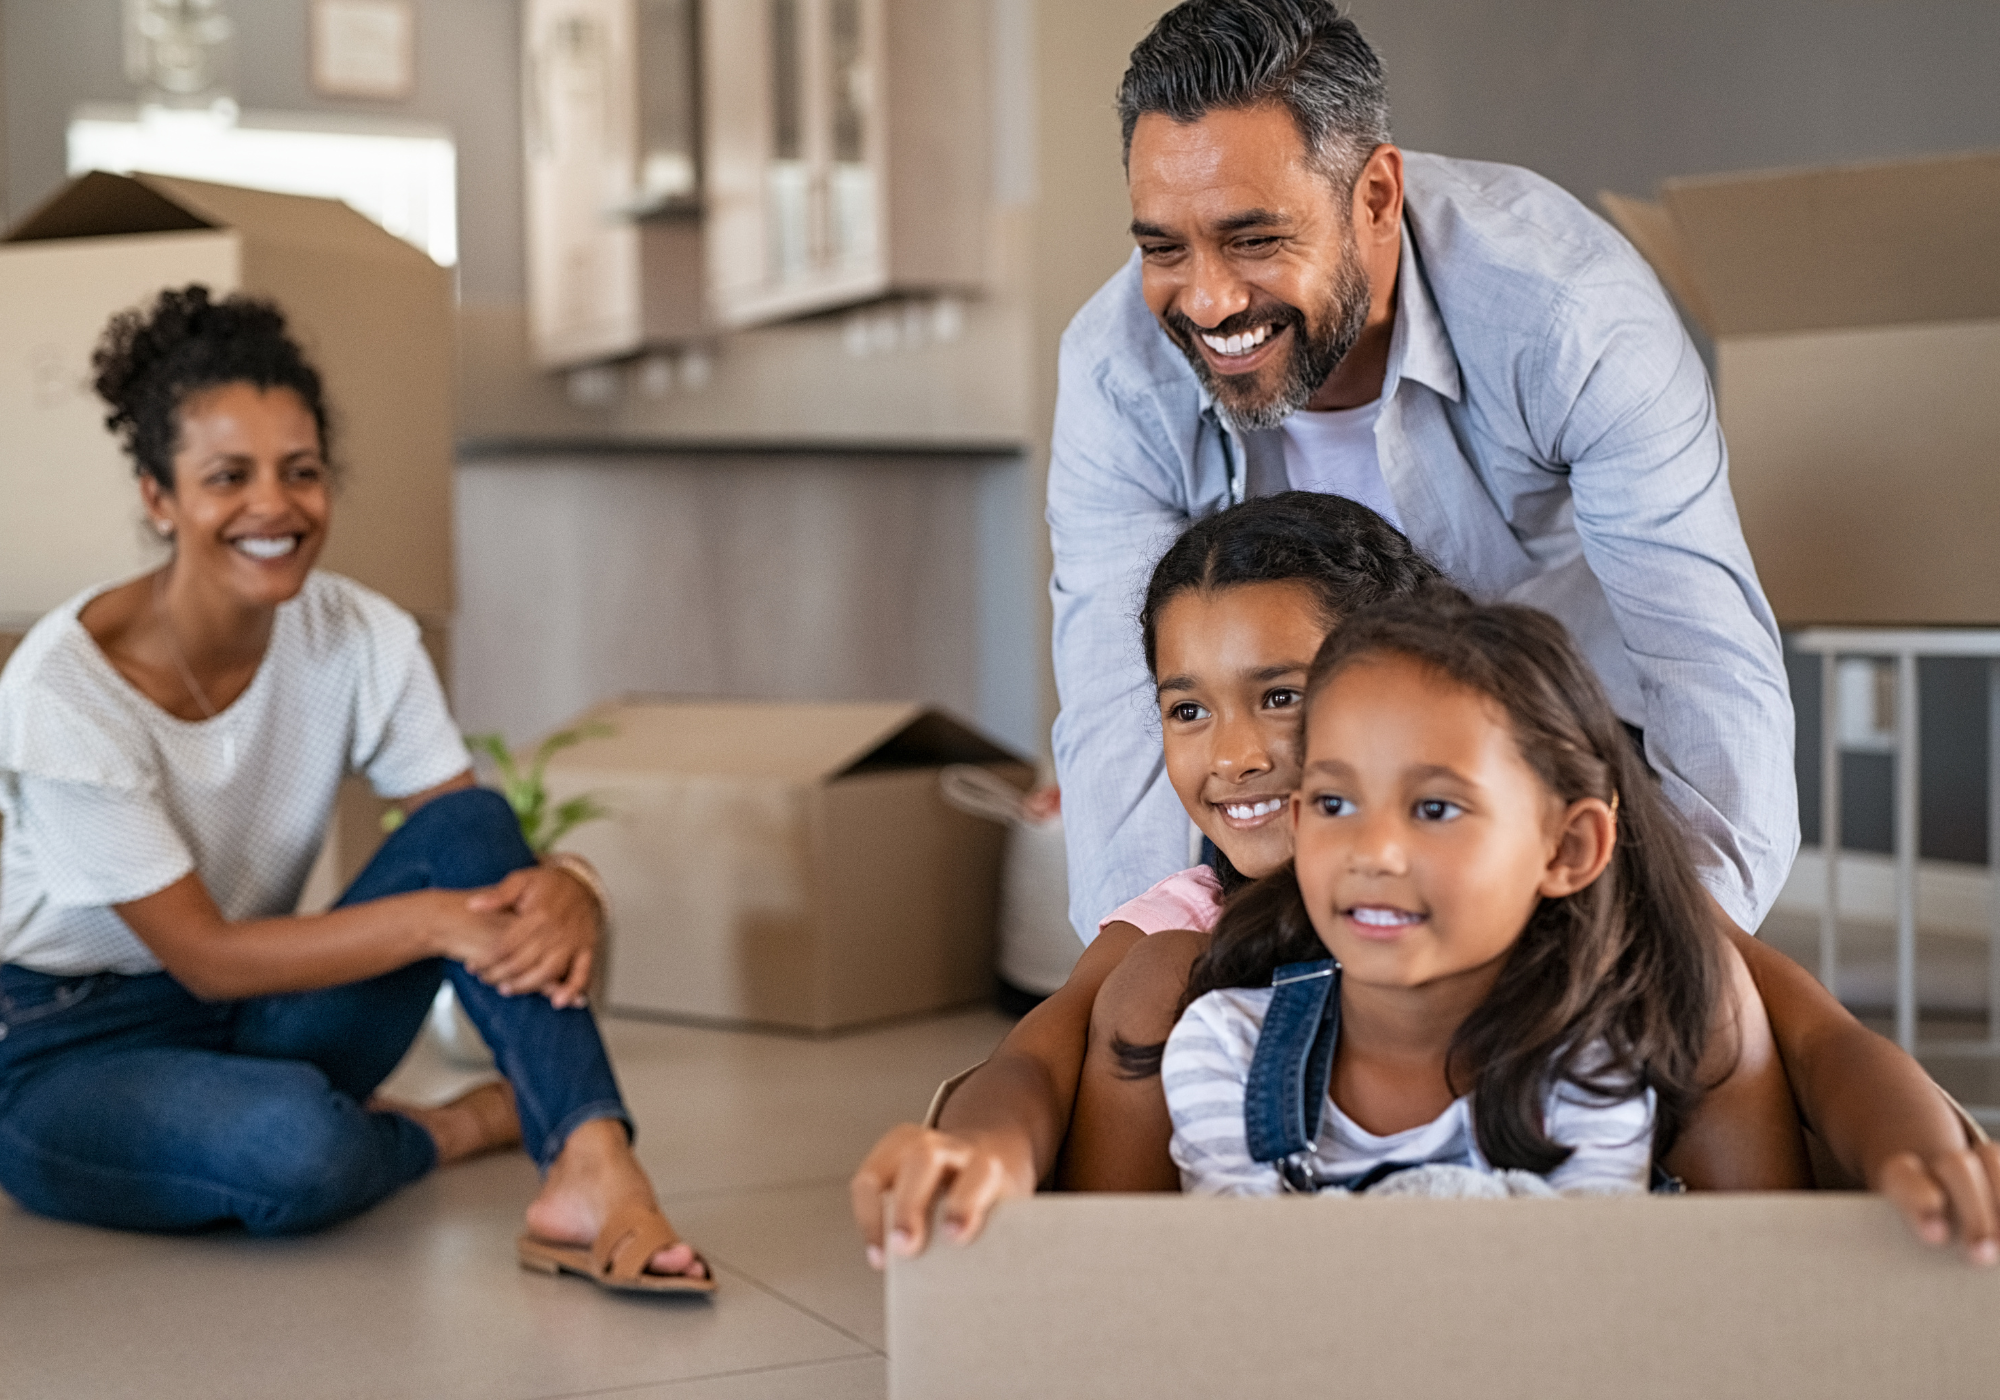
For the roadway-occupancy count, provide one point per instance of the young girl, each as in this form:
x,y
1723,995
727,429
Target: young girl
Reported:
x,y
1491,950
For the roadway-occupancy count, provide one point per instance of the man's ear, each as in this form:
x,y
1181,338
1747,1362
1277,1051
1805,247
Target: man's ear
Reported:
x,y
1378,197
1585,840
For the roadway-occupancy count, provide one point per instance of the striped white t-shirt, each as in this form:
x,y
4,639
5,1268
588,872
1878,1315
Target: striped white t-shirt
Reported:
x,y
1208,1060
107,798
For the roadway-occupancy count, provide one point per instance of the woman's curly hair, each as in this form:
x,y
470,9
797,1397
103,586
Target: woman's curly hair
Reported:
x,y
151,360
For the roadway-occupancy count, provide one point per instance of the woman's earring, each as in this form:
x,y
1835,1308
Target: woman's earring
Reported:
x,y
164,529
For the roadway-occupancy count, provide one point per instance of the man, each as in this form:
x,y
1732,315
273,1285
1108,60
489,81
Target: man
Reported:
x,y
1469,351
1463,347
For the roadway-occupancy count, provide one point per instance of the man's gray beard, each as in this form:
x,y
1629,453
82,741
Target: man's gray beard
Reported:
x,y
1341,321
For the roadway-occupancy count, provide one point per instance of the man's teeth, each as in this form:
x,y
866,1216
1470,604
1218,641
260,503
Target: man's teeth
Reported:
x,y
267,546
1247,811
1240,344
1383,918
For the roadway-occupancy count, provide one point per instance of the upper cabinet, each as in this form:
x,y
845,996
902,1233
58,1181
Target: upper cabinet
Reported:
x,y
703,165
847,152
612,141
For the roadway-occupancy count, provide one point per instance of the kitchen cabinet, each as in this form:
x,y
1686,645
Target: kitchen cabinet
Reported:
x,y
847,152
612,146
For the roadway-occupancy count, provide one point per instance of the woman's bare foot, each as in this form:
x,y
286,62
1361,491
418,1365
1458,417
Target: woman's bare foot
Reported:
x,y
479,1120
594,1176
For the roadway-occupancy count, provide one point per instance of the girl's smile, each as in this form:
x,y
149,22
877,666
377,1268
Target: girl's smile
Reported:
x,y
1232,665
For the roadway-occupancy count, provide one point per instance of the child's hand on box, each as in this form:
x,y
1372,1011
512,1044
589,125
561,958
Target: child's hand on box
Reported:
x,y
915,1169
1953,1191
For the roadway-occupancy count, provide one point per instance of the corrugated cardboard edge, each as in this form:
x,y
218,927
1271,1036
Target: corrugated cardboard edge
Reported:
x,y
1780,1296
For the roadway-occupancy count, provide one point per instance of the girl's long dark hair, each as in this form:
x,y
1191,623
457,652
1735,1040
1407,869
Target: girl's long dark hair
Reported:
x,y
1613,988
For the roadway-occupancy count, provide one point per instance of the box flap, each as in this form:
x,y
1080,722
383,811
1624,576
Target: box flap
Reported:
x,y
770,739
1886,243
97,205
1654,233
300,220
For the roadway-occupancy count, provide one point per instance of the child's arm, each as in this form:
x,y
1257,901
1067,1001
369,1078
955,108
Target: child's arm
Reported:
x,y
1877,1112
1000,1131
1744,1134
1118,1137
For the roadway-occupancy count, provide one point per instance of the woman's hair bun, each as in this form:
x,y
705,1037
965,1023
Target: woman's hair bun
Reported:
x,y
150,360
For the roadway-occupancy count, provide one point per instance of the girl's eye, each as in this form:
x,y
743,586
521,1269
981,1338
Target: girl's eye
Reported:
x,y
304,471
1436,809
1282,698
1329,805
1186,712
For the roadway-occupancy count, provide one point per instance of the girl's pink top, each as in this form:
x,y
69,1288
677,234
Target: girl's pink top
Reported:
x,y
1186,899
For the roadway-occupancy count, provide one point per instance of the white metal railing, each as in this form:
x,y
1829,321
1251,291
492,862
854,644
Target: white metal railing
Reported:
x,y
1904,646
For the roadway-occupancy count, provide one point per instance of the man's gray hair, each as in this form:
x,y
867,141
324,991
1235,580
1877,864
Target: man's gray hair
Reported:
x,y
1209,54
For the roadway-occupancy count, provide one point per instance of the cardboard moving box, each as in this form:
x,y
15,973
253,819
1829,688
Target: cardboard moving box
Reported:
x,y
1856,317
788,864
374,315
1811,1296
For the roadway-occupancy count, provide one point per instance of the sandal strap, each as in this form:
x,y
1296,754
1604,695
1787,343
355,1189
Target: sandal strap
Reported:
x,y
628,1242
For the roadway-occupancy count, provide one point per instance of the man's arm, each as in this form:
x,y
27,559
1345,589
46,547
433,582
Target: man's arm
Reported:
x,y
1621,401
1116,501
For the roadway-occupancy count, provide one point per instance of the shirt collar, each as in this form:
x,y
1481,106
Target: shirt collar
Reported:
x,y
1419,346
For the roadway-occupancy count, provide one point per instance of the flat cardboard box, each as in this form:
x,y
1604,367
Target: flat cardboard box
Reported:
x,y
1856,317
1806,1296
788,865
374,315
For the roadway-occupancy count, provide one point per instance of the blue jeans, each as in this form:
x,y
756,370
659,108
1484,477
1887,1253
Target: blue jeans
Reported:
x,y
128,1102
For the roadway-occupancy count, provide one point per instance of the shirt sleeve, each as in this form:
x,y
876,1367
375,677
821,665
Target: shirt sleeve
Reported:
x,y
405,738
1619,395
96,846
1112,512
1206,1063
1611,1142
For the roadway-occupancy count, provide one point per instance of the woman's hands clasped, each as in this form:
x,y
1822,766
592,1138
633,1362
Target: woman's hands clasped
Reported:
x,y
535,931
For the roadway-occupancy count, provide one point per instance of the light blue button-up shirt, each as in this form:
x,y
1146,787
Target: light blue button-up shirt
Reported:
x,y
1549,436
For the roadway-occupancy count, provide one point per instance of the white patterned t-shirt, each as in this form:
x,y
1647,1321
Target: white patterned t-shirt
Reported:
x,y
107,798
1206,1067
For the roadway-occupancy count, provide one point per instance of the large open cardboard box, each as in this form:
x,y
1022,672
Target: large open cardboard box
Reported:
x,y
1814,1296
788,864
1856,317
373,313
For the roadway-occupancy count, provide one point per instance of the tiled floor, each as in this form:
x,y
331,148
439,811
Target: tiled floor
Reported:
x,y
751,1139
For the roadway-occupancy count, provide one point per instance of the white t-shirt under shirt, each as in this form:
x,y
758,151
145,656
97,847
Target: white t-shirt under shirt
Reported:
x,y
1207,1062
1333,452
107,798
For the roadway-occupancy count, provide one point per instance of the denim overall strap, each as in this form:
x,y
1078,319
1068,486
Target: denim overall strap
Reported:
x,y
1287,1086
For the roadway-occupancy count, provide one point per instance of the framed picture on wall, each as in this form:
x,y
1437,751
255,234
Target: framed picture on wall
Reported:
x,y
364,48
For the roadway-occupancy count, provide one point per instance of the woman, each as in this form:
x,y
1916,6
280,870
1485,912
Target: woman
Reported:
x,y
177,1048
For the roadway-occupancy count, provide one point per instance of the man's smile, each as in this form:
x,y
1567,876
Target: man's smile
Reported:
x,y
1245,352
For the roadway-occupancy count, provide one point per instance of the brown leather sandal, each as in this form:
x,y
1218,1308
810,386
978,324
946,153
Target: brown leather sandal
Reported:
x,y
617,1260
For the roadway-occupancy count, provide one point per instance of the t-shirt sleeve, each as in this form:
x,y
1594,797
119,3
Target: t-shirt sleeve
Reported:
x,y
1611,1142
96,846
1188,899
1206,1062
405,738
